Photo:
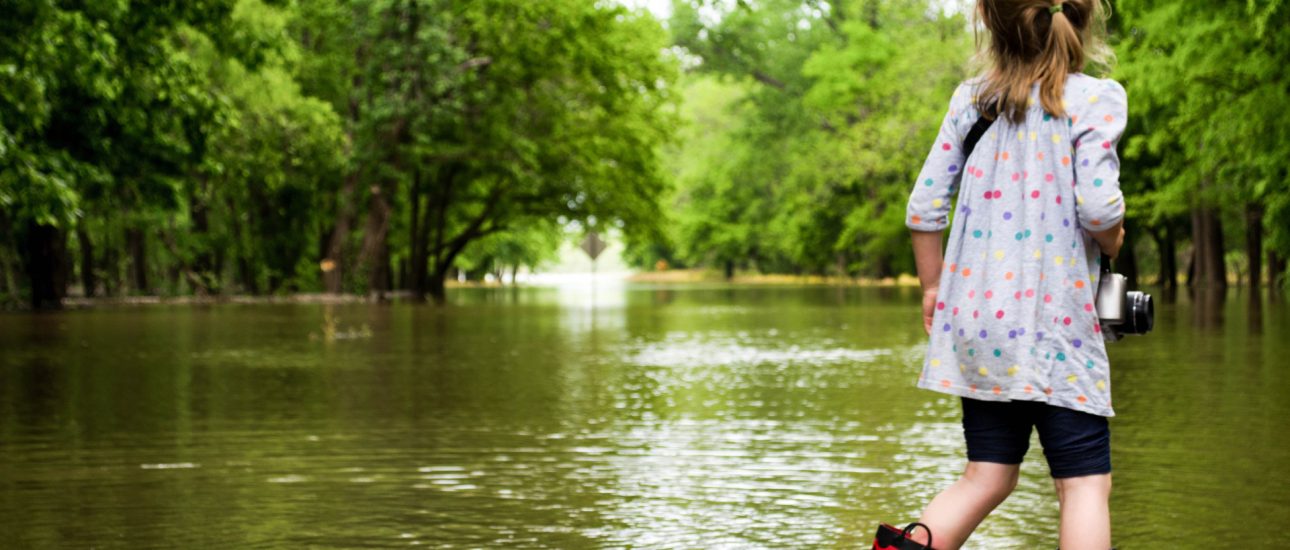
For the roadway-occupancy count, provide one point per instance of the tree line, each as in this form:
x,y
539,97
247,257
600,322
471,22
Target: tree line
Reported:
x,y
368,146
808,120
262,146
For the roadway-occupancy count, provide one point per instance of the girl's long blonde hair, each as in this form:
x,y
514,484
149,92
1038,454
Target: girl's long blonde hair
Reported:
x,y
1031,41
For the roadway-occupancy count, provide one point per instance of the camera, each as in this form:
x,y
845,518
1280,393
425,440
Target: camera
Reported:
x,y
1122,311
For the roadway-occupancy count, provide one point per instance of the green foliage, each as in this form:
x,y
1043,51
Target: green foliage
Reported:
x,y
799,160
284,145
1205,81
243,144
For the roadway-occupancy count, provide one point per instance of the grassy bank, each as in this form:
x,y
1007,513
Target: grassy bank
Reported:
x,y
715,276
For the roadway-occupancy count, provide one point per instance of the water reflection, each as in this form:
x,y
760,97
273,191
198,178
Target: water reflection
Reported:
x,y
649,417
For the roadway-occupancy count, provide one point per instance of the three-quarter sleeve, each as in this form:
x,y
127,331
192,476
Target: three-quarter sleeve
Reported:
x,y
929,203
1099,202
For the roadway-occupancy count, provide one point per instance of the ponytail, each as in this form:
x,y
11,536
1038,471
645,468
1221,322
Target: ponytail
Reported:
x,y
1036,41
1063,54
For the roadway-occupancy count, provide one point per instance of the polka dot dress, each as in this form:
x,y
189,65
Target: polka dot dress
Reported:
x,y
1014,318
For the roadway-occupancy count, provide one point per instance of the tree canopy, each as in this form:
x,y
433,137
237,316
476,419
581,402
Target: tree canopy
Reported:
x,y
372,146
347,145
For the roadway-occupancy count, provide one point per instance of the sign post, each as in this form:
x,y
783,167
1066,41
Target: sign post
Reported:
x,y
593,246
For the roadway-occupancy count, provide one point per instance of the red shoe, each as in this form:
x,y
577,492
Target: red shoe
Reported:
x,y
891,538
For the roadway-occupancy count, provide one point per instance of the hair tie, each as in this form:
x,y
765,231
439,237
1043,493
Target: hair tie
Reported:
x,y
1055,8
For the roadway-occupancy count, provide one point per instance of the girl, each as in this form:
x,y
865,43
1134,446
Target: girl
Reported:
x,y
1009,311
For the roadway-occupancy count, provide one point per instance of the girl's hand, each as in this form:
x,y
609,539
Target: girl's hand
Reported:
x,y
929,309
1111,240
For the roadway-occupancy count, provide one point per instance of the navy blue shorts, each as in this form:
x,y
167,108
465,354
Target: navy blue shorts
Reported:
x,y
1075,443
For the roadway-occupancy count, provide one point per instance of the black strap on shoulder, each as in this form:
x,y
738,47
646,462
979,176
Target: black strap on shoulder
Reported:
x,y
974,135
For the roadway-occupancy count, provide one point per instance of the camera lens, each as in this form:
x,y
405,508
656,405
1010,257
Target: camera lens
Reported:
x,y
1142,314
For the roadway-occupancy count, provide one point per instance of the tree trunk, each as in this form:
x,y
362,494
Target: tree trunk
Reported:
x,y
419,242
1127,264
883,267
1169,259
730,270
137,245
375,235
111,266
1207,239
435,286
249,283
333,261
387,271
1254,246
44,254
1276,269
87,259
206,265
8,271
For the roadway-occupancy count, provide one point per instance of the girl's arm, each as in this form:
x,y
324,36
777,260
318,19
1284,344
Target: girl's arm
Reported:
x,y
927,213
1110,239
928,260
1099,202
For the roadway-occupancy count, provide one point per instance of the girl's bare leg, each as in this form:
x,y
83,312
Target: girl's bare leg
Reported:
x,y
1086,512
956,512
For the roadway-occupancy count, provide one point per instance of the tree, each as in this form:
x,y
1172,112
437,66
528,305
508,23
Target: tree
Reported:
x,y
836,102
488,113
1216,150
99,114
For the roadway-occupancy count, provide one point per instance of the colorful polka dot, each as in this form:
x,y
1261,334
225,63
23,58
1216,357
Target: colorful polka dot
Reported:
x,y
1010,270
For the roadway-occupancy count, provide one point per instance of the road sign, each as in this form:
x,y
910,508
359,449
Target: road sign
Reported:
x,y
593,246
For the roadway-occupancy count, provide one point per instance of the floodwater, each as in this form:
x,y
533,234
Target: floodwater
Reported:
x,y
638,416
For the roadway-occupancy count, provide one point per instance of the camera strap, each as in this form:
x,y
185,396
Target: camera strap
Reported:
x,y
974,135
978,129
